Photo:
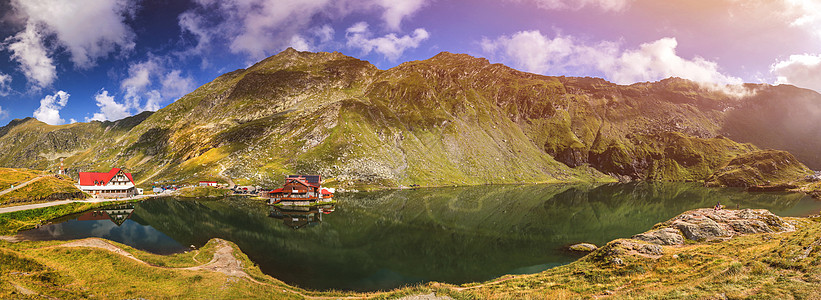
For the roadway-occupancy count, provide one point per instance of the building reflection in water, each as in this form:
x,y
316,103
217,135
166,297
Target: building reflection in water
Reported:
x,y
298,217
117,214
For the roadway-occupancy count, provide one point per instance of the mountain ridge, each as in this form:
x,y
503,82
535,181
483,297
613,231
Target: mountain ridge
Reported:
x,y
450,119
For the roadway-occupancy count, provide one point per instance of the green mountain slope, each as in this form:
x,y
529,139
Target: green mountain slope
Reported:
x,y
451,119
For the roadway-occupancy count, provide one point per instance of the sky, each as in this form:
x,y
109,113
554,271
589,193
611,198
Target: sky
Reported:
x,y
64,61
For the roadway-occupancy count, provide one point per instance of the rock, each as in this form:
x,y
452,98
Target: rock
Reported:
x,y
709,224
633,247
617,261
584,247
700,230
664,236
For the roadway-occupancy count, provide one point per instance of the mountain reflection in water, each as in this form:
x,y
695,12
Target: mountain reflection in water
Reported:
x,y
386,239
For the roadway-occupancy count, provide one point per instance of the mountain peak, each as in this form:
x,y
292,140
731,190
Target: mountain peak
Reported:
x,y
458,57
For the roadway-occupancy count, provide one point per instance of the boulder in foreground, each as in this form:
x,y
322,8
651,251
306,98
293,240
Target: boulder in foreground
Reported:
x,y
709,224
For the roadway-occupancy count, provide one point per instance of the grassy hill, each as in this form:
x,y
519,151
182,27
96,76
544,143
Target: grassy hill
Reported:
x,y
44,189
451,119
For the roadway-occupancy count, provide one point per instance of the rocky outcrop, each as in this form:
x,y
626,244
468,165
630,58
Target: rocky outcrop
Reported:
x,y
709,224
664,236
583,247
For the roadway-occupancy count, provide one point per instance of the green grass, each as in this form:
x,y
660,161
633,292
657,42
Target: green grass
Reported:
x,y
43,190
10,176
767,167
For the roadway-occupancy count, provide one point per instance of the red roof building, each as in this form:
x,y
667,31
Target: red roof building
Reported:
x,y
111,184
301,189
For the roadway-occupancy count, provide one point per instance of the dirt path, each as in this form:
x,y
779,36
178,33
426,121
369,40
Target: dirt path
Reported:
x,y
9,190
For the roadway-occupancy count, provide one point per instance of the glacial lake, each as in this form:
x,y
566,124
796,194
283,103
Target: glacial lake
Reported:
x,y
382,240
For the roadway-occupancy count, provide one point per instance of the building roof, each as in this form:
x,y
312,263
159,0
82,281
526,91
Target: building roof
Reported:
x,y
279,190
326,192
313,180
300,180
100,178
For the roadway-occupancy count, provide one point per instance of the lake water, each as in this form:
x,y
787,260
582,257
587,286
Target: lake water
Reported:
x,y
381,240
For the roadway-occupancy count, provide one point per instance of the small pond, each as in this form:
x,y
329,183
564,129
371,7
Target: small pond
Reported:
x,y
382,240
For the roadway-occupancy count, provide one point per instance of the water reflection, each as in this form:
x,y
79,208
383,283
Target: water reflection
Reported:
x,y
386,239
118,223
298,217
116,214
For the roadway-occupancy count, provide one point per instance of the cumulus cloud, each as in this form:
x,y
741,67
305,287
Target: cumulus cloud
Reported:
x,y
174,85
805,14
391,46
110,110
50,106
88,29
258,28
3,113
149,85
5,87
27,49
396,11
535,52
606,5
802,70
657,60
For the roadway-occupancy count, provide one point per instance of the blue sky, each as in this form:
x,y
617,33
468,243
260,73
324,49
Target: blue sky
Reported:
x,y
78,60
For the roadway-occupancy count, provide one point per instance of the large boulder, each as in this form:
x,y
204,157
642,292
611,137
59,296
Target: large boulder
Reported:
x,y
709,224
664,236
583,247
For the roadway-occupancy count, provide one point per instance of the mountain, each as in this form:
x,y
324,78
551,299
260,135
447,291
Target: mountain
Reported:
x,y
450,119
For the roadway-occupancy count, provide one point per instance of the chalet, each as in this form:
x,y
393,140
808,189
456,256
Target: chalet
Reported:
x,y
113,184
301,190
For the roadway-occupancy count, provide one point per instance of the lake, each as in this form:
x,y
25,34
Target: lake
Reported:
x,y
382,240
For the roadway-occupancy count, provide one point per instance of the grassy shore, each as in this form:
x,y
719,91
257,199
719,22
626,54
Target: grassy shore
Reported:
x,y
783,265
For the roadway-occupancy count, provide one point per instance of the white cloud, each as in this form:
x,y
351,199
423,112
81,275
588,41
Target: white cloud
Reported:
x,y
658,59
259,28
50,106
5,87
3,113
88,29
396,11
110,110
802,70
152,82
805,14
27,49
174,85
390,45
606,5
538,53
299,43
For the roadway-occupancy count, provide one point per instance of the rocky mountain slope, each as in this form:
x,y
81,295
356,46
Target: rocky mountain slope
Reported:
x,y
451,119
